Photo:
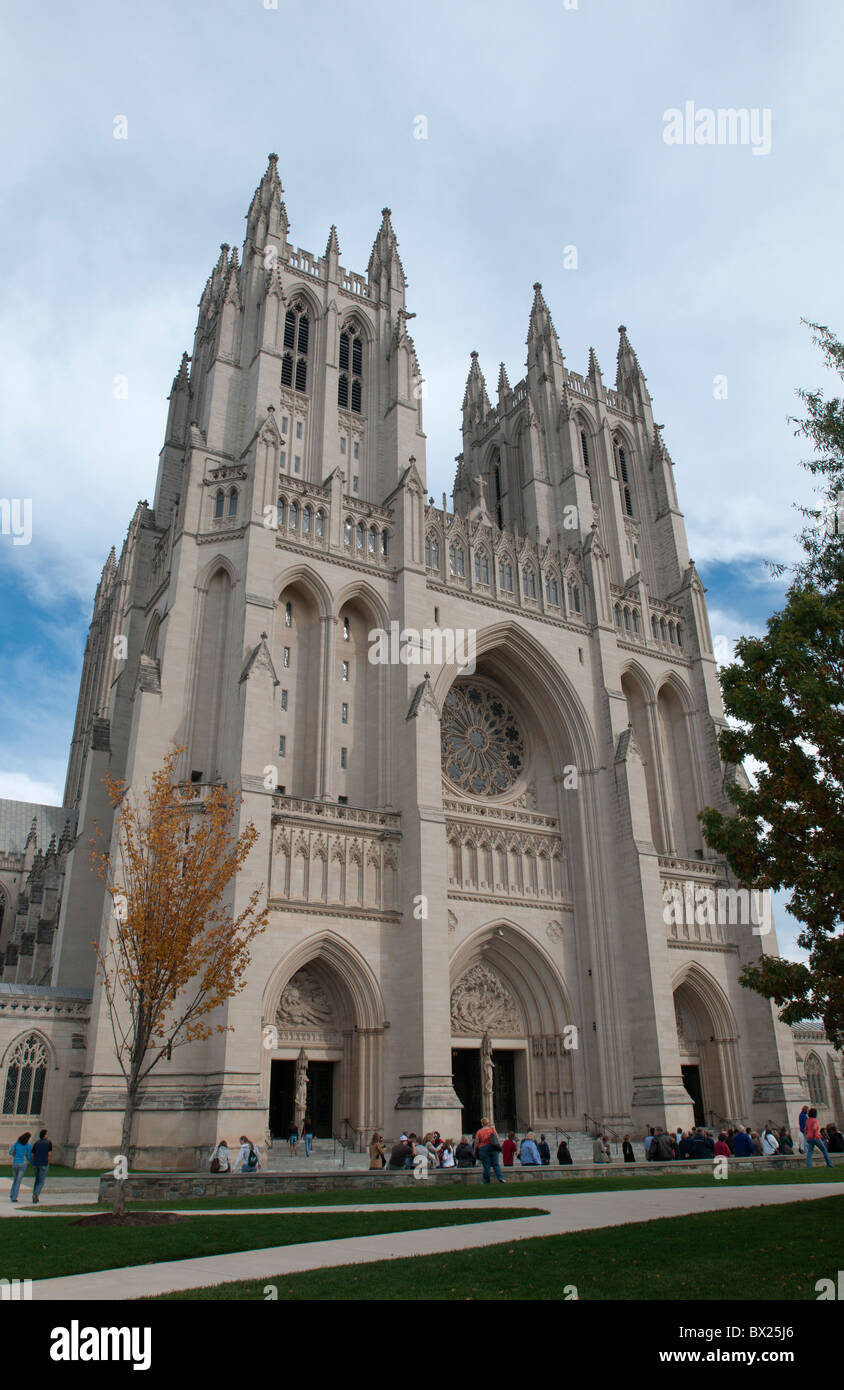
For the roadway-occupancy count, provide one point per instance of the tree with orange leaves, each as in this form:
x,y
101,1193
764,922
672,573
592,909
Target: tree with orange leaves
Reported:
x,y
174,952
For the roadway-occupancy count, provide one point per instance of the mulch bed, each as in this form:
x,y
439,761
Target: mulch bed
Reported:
x,y
131,1218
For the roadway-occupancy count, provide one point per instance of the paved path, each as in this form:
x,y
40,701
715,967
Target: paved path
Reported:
x,y
577,1213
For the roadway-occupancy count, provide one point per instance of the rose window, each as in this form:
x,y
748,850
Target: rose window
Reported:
x,y
483,750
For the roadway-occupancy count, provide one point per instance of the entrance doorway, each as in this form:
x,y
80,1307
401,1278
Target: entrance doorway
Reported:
x,y
691,1081
504,1091
466,1071
320,1097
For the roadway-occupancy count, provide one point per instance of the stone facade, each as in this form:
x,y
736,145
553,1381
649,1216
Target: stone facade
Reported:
x,y
474,741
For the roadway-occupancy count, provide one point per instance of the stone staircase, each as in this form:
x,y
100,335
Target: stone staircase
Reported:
x,y
329,1156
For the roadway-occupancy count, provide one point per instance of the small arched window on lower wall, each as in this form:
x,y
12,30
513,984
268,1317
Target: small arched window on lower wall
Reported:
x,y
26,1076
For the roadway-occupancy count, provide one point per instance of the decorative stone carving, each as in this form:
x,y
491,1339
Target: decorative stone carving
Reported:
x,y
304,1003
483,748
452,921
554,931
481,1003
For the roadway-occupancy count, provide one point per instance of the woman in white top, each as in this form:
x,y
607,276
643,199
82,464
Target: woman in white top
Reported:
x,y
242,1163
221,1154
770,1143
447,1154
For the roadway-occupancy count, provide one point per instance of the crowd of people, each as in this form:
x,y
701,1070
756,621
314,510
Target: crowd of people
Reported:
x,y
484,1148
742,1142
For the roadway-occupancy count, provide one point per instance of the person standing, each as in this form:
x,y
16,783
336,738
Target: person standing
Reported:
x,y
464,1153
447,1154
377,1152
308,1134
21,1155
529,1155
627,1150
770,1142
601,1149
292,1137
801,1120
813,1139
544,1151
564,1154
41,1150
649,1138
508,1150
488,1148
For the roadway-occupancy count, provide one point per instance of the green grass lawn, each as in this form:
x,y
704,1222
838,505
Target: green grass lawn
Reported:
x,y
752,1254
46,1249
460,1192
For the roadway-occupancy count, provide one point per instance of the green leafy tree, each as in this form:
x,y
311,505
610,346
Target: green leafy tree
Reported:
x,y
786,695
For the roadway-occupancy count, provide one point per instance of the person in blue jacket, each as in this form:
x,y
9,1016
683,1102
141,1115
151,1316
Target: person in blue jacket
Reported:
x,y
21,1155
529,1153
801,1120
742,1144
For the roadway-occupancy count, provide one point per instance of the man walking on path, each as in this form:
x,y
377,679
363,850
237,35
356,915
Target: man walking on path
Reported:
x,y
41,1150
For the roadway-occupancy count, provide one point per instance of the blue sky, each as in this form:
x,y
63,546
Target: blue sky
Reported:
x,y
544,131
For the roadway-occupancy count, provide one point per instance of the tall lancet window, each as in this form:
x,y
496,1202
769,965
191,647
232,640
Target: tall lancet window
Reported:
x,y
623,471
297,331
584,449
350,385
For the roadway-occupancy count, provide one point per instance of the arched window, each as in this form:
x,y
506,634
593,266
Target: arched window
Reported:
x,y
662,631
584,449
679,635
288,615
814,1080
635,621
385,543
432,552
617,616
319,524
233,503
297,331
655,629
505,576
623,476
456,561
529,583
347,532
627,619
481,567
373,541
26,1075
294,515
219,504
350,385
360,532
573,593
552,591
499,511
671,637
306,521
280,511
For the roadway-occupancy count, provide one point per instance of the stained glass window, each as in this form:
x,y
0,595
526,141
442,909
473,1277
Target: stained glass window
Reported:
x,y
483,750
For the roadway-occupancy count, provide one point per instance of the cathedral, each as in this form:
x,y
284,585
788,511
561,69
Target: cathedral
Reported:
x,y
474,741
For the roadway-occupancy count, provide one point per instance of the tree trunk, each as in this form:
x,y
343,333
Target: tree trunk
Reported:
x,y
119,1206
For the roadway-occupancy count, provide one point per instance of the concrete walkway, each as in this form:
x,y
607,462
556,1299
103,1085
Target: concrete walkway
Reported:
x,y
587,1212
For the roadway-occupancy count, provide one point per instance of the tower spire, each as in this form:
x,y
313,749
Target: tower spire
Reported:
x,y
475,399
385,260
267,215
503,381
542,338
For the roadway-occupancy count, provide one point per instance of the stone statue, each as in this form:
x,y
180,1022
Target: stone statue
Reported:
x,y
487,1077
301,1100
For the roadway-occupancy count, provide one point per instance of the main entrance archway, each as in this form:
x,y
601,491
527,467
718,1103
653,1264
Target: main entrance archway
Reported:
x,y
324,1010
507,994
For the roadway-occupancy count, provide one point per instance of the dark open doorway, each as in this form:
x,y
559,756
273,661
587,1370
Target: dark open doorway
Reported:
x,y
320,1097
466,1070
691,1081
